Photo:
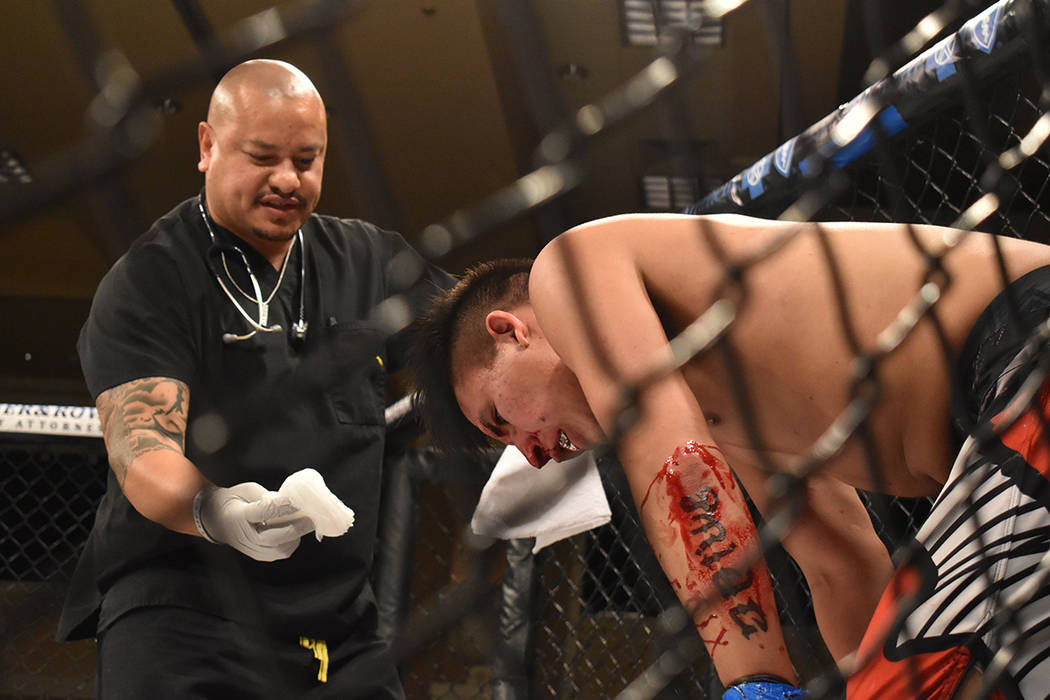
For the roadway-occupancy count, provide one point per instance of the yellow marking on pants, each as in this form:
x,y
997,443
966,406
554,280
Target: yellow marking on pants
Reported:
x,y
320,650
379,360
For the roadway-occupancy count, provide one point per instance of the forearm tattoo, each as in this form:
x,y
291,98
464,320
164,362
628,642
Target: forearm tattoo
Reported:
x,y
141,416
695,515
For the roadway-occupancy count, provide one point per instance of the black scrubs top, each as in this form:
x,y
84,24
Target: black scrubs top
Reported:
x,y
259,410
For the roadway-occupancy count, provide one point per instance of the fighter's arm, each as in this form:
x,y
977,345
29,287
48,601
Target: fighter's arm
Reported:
x,y
590,298
144,428
845,563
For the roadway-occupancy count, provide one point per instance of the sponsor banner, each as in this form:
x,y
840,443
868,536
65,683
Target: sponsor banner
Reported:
x,y
784,157
42,419
82,421
754,177
984,28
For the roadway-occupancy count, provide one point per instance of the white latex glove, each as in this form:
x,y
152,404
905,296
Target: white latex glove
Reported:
x,y
237,516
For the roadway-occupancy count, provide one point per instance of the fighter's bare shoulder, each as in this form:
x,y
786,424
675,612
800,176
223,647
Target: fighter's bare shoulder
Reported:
x,y
653,246
629,235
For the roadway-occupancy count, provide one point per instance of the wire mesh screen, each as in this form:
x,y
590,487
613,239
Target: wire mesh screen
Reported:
x,y
953,167
607,612
48,492
455,660
601,616
934,173
595,618
49,489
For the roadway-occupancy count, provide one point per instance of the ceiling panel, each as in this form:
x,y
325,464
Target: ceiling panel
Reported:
x,y
434,86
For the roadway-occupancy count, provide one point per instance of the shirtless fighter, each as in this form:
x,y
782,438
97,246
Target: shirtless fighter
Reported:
x,y
537,356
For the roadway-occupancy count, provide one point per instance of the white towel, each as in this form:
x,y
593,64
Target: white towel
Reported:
x,y
560,500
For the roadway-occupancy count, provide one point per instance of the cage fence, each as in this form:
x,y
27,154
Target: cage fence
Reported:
x,y
591,616
50,488
595,609
937,168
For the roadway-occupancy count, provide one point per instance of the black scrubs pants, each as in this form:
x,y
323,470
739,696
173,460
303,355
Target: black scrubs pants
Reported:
x,y
158,653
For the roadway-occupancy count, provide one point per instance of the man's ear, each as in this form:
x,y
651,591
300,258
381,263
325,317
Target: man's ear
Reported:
x,y
206,138
503,325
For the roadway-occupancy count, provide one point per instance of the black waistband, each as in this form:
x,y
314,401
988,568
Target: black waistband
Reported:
x,y
994,341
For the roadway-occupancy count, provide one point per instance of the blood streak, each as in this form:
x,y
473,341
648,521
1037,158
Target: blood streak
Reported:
x,y
696,513
716,642
718,467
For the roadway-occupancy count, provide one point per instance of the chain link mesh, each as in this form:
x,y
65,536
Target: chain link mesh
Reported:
x,y
934,173
455,664
48,492
604,618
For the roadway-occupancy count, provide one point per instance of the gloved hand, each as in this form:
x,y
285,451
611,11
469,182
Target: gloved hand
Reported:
x,y
763,688
237,516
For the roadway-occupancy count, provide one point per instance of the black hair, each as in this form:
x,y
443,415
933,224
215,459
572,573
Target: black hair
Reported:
x,y
451,336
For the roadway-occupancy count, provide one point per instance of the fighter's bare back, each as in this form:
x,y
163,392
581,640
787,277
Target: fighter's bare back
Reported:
x,y
789,339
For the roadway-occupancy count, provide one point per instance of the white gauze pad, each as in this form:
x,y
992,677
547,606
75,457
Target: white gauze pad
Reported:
x,y
307,491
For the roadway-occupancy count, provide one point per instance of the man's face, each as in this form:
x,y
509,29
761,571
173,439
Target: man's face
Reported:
x,y
263,164
528,398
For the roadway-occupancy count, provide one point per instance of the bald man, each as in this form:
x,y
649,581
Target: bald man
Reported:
x,y
204,349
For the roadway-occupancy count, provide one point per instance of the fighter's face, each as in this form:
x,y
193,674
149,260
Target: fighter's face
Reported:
x,y
264,166
528,398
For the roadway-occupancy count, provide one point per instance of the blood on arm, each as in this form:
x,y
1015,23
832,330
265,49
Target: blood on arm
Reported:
x,y
708,545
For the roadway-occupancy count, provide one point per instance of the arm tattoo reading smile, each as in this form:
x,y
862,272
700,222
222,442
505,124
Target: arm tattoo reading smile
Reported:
x,y
696,517
141,416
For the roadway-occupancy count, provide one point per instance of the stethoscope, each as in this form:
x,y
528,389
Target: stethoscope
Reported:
x,y
298,333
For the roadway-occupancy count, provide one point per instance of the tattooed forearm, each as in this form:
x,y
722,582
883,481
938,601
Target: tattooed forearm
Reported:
x,y
697,519
141,416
